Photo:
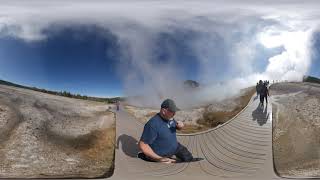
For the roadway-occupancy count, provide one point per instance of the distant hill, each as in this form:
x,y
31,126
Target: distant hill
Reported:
x,y
311,79
64,93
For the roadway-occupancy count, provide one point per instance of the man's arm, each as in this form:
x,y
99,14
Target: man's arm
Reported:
x,y
147,150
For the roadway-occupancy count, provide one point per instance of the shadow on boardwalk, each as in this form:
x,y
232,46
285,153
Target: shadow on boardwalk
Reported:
x,y
261,114
129,145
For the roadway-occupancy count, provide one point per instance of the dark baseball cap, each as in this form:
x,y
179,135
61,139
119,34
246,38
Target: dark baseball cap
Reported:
x,y
169,103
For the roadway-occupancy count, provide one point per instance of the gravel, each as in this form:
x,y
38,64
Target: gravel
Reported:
x,y
43,135
296,120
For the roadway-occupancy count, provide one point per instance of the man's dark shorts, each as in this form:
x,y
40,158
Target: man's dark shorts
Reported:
x,y
182,153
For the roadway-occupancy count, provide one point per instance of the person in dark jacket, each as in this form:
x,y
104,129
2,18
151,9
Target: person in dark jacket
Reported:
x,y
257,89
118,105
264,93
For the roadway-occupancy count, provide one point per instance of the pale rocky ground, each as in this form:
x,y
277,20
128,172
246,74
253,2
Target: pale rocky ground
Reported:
x,y
47,136
144,114
296,129
188,116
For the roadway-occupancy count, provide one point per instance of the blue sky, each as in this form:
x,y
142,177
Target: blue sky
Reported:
x,y
85,59
111,49
315,67
70,59
82,59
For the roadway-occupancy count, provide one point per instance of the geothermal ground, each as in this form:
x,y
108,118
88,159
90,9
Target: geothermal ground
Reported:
x,y
204,117
296,128
47,136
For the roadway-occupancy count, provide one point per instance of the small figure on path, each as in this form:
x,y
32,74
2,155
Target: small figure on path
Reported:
x,y
264,92
118,105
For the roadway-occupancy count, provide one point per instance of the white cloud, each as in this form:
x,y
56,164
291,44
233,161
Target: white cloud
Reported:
x,y
294,61
228,29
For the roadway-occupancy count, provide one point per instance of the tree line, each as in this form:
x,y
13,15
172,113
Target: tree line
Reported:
x,y
65,93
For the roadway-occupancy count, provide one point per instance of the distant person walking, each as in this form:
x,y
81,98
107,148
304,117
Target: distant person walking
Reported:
x,y
264,93
158,142
118,105
257,89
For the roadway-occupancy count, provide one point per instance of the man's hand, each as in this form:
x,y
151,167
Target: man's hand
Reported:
x,y
166,160
179,125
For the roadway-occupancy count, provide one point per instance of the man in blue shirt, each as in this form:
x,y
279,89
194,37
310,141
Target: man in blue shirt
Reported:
x,y
159,141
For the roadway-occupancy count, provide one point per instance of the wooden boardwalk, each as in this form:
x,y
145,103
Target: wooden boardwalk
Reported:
x,y
239,149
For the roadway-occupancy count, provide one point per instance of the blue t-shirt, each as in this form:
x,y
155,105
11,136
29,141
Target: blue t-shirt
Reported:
x,y
160,135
